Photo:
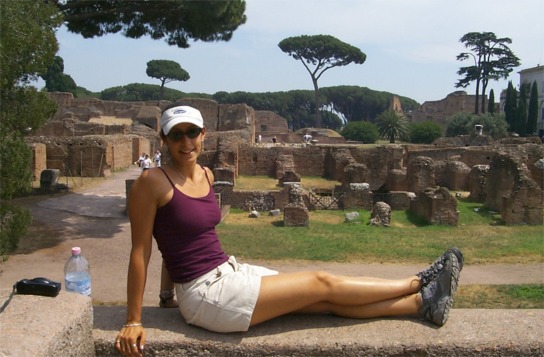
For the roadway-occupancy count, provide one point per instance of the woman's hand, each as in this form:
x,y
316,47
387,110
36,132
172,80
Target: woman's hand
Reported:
x,y
131,339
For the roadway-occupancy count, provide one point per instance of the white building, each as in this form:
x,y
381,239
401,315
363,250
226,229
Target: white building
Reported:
x,y
529,76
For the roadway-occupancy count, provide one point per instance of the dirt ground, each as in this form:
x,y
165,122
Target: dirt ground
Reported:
x,y
93,217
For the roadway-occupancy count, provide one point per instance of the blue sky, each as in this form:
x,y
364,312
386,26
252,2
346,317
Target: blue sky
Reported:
x,y
411,47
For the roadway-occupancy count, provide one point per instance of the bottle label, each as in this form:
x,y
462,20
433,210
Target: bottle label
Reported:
x,y
78,282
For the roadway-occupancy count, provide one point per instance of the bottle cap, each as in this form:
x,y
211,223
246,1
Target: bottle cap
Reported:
x,y
76,251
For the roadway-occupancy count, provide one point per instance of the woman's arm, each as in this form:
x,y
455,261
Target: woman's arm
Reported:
x,y
142,207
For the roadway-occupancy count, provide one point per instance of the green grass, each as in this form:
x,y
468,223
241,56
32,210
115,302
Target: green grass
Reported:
x,y
480,234
407,240
527,296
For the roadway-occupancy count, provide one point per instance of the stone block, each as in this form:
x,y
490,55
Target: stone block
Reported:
x,y
225,174
437,206
289,176
49,178
42,326
296,216
456,175
380,215
477,181
420,174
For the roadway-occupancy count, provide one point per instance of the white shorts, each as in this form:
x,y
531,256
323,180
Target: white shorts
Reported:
x,y
223,299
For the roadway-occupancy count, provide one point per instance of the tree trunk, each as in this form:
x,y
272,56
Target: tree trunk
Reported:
x,y
316,99
476,102
162,89
484,87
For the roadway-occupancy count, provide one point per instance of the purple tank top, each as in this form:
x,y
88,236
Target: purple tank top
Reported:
x,y
184,229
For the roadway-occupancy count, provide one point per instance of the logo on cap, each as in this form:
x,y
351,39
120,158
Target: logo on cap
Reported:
x,y
179,111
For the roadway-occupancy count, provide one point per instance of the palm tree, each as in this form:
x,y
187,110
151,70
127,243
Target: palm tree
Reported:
x,y
392,125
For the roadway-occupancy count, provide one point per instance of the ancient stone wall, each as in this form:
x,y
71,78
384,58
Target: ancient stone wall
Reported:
x,y
455,175
268,123
470,156
149,116
209,110
236,123
395,105
511,191
437,206
439,110
524,205
140,145
502,176
70,126
321,136
379,162
477,183
284,163
464,141
62,99
251,200
90,156
396,180
420,174
338,159
39,159
354,173
261,161
236,117
398,200
356,199
537,172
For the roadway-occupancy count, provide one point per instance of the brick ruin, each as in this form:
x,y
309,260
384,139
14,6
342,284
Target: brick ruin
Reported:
x,y
438,111
89,137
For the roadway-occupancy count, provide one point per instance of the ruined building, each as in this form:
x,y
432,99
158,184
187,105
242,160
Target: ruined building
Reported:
x,y
438,111
90,137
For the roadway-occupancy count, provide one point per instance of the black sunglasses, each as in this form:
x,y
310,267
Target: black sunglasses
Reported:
x,y
178,134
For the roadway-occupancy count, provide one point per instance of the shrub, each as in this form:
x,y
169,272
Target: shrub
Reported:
x,y
424,133
361,131
494,125
13,224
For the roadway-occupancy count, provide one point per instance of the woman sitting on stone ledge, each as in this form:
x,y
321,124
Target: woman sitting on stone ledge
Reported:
x,y
176,204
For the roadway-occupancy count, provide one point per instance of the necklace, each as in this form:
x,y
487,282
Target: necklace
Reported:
x,y
183,177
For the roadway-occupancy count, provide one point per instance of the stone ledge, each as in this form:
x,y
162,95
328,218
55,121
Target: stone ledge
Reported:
x,y
44,326
469,332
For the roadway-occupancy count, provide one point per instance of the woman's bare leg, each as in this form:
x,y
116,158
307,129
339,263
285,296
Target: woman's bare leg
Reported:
x,y
323,292
400,306
166,282
167,293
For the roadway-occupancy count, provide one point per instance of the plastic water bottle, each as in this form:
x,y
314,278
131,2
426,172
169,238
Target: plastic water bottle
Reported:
x,y
77,275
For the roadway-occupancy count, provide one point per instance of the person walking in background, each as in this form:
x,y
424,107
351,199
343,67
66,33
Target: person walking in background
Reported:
x,y
141,159
176,205
157,158
146,163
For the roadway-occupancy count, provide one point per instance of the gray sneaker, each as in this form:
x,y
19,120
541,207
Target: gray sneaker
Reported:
x,y
437,295
429,274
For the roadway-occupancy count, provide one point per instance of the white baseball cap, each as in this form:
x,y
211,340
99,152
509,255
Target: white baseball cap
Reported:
x,y
182,114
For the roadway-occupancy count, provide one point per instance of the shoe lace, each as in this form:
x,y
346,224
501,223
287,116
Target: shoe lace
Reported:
x,y
427,275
